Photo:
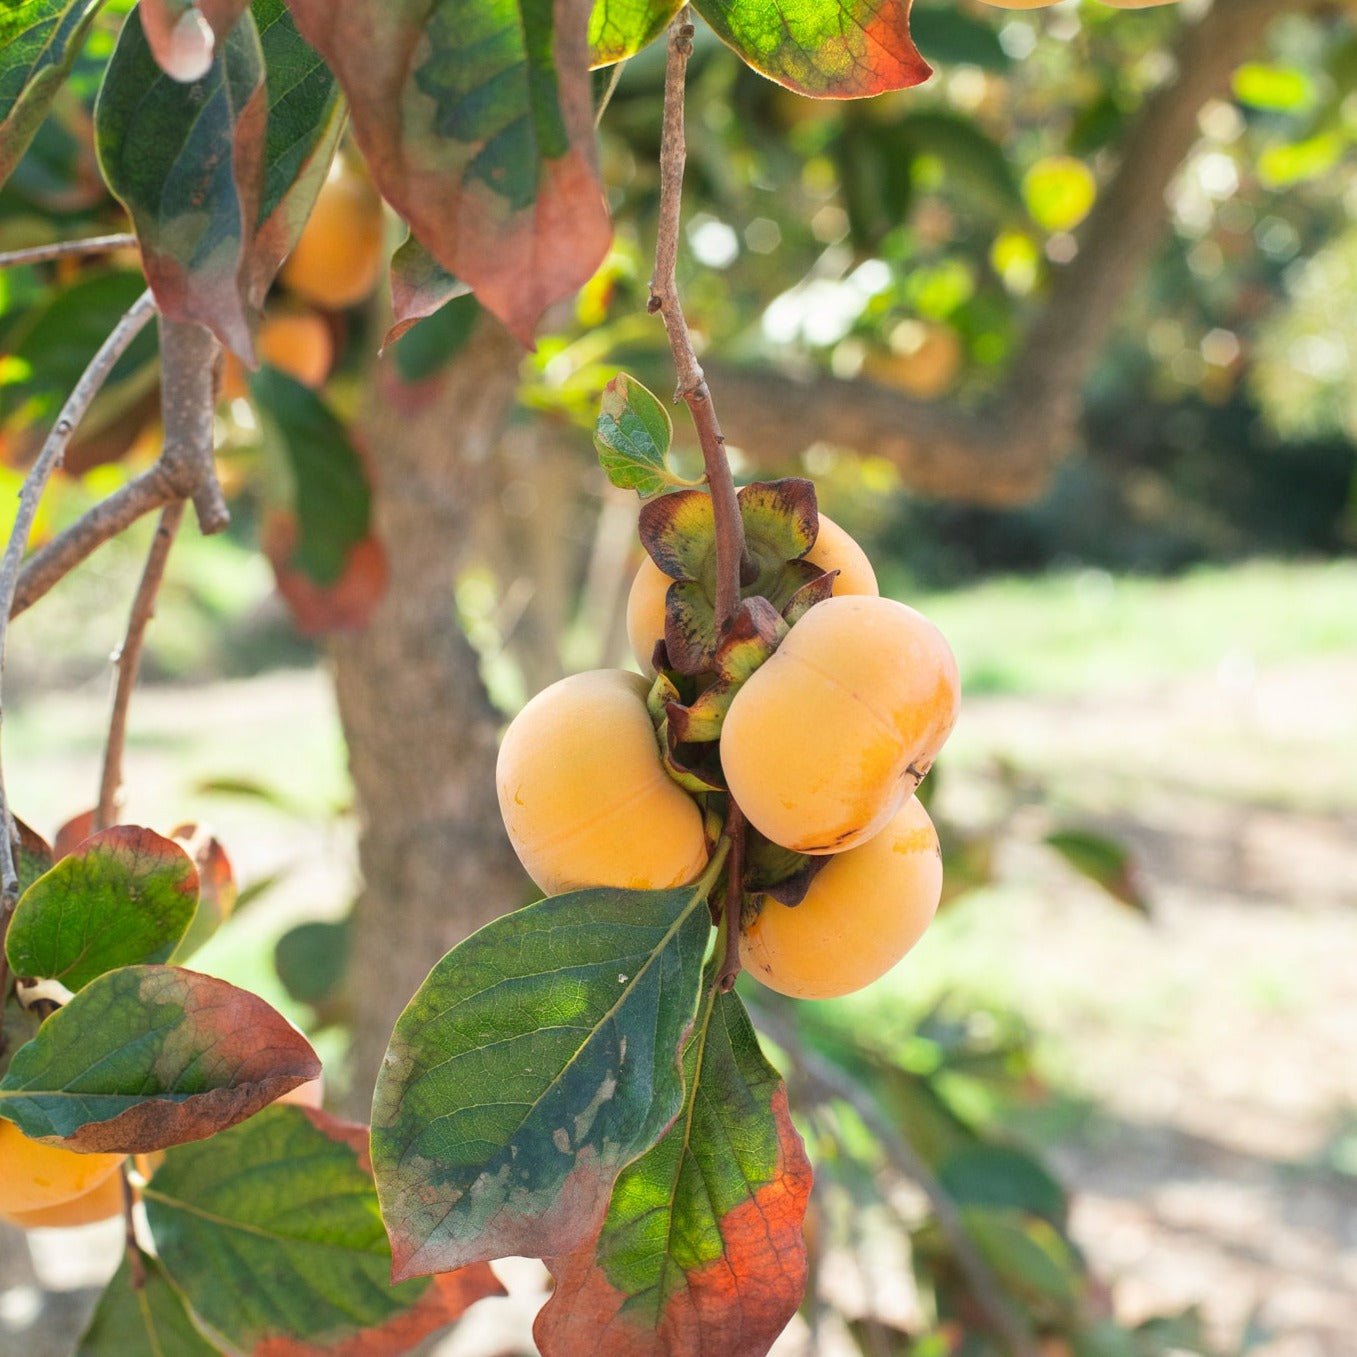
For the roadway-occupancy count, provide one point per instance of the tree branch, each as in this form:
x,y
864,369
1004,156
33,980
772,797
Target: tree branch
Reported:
x,y
128,661
1005,453
49,458
62,249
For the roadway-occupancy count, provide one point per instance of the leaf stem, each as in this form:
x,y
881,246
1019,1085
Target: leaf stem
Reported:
x,y
664,299
62,249
135,1265
736,826
49,458
128,661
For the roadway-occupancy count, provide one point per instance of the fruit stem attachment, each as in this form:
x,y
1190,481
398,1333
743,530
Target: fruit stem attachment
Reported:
x,y
692,384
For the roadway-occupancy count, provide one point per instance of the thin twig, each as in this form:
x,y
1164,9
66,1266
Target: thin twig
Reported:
x,y
91,380
736,829
821,1078
128,661
664,298
134,1263
61,249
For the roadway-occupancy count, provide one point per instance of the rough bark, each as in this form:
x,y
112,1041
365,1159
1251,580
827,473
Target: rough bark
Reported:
x,y
1004,453
420,729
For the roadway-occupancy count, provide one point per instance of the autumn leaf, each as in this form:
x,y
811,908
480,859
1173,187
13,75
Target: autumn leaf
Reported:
x,y
477,125
701,1250
837,49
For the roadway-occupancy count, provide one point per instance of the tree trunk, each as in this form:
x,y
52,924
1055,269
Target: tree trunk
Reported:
x,y
420,728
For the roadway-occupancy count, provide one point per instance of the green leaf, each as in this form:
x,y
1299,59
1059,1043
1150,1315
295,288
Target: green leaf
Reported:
x,y
271,1231
539,1057
331,499
150,1056
151,1321
55,342
701,1250
632,434
1103,861
306,118
1277,89
978,1174
39,42
618,29
1029,1256
312,959
421,287
123,897
837,49
186,160
953,37
1059,192
32,857
477,124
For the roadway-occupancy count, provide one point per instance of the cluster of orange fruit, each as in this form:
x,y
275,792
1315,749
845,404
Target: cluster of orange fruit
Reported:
x,y
822,748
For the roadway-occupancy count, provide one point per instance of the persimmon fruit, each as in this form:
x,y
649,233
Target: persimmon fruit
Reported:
x,y
295,340
102,1202
826,740
35,1176
834,549
584,795
863,911
339,254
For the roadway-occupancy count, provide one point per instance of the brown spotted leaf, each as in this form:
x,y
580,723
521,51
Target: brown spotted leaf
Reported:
x,y
477,124
282,1210
701,1253
150,1056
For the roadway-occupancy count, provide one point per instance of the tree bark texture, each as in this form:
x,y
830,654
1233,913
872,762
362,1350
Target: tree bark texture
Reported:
x,y
421,730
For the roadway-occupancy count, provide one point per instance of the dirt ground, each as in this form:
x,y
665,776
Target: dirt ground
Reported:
x,y
1214,1048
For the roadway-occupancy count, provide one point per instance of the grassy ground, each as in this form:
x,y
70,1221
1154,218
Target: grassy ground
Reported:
x,y
1201,1063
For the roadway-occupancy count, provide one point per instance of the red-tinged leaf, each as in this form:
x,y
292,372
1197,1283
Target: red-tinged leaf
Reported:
x,y
477,124
186,160
618,29
72,834
150,1056
1103,861
272,1233
122,897
146,1320
183,34
322,609
32,857
539,1057
838,49
420,285
217,889
39,41
701,1253
632,436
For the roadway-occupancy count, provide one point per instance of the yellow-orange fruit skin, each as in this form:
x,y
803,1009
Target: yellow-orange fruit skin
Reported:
x,y
338,256
825,741
297,342
834,549
866,908
34,1176
101,1202
584,796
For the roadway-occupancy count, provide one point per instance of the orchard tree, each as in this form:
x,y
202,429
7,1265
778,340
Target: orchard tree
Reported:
x,y
576,1080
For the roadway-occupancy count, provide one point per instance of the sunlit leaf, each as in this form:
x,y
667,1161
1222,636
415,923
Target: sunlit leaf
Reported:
x,y
271,1231
632,435
39,41
183,34
1060,192
701,1250
620,28
124,896
1277,89
538,1058
477,125
186,159
150,1056
149,1320
839,49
